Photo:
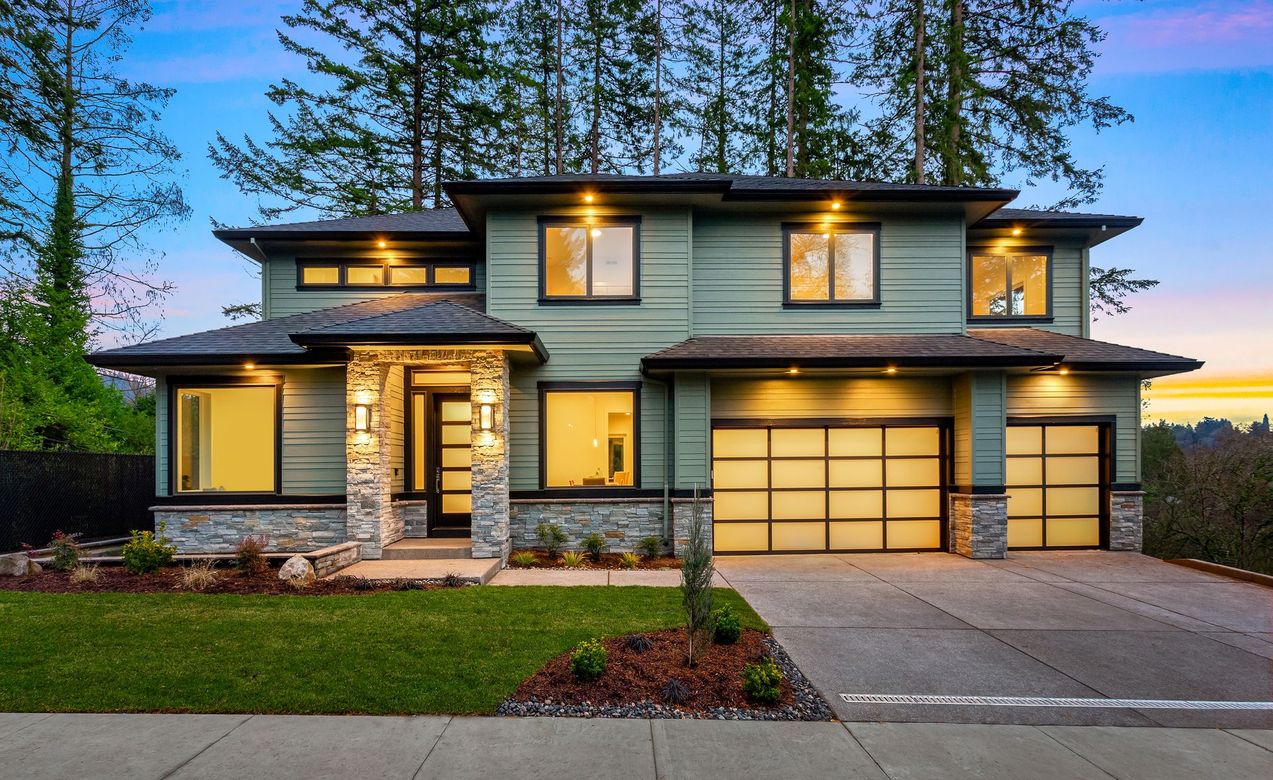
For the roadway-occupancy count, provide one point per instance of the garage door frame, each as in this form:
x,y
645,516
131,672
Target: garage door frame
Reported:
x,y
1106,439
945,426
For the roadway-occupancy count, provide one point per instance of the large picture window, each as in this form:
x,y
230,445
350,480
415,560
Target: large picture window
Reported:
x,y
1010,284
589,260
589,436
225,439
832,264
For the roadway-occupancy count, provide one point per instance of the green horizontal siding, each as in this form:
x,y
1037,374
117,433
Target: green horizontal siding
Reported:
x,y
589,342
801,397
281,298
1119,396
979,424
738,277
692,398
161,436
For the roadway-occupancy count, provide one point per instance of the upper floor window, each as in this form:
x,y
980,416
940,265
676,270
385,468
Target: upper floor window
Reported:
x,y
589,260
1013,284
395,273
832,264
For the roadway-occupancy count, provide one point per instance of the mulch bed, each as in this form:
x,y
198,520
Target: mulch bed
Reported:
x,y
117,579
632,684
609,561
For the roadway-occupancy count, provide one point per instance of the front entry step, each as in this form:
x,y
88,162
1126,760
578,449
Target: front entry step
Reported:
x,y
427,549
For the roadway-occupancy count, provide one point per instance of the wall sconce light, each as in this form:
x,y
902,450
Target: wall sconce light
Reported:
x,y
485,417
362,418
1016,231
587,198
835,204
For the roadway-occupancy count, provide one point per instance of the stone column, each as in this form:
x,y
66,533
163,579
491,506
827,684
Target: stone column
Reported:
x,y
368,487
1126,520
978,525
489,385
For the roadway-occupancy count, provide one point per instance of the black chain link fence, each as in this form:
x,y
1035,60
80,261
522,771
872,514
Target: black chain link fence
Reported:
x,y
96,495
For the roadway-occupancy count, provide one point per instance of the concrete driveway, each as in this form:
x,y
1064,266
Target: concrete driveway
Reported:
x,y
1039,624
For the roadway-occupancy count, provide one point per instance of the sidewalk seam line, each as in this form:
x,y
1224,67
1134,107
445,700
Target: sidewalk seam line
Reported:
x,y
1043,730
205,748
449,719
1234,733
654,751
868,753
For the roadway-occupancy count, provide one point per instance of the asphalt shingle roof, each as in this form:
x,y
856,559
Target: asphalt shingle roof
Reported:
x,y
428,221
1042,217
1083,353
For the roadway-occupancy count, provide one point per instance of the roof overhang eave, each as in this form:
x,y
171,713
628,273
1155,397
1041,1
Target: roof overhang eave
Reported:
x,y
656,364
345,340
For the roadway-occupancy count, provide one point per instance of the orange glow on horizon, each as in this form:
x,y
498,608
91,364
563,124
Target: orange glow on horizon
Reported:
x,y
1187,398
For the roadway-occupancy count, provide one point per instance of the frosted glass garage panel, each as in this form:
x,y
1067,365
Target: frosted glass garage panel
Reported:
x,y
1073,439
1024,440
1073,501
1074,470
853,504
855,473
914,503
914,534
1025,532
916,472
740,506
1025,471
855,442
857,536
912,441
799,473
797,442
1074,532
740,443
800,536
740,537
740,474
798,505
1025,502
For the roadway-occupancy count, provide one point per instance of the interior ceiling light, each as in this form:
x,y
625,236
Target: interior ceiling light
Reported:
x,y
381,243
587,198
891,370
1016,231
835,204
793,371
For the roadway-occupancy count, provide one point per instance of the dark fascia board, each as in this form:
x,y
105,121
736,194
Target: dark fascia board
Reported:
x,y
423,339
946,195
479,187
694,364
1169,366
262,359
1084,223
265,233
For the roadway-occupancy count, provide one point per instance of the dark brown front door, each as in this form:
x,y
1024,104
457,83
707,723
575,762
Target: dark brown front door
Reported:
x,y
450,465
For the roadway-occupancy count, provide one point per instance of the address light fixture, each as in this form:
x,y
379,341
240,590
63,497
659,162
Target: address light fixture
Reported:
x,y
362,418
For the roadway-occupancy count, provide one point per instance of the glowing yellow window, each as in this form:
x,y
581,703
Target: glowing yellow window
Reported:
x,y
225,439
408,275
364,275
452,274
1009,285
589,438
320,274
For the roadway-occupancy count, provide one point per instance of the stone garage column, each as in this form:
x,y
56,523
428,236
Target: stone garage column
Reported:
x,y
368,488
489,385
1126,519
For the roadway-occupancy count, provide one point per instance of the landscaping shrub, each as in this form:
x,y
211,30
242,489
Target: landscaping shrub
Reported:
x,y
200,576
453,580
629,561
82,575
696,584
66,551
595,544
523,558
728,628
639,643
405,584
145,552
762,681
588,660
674,692
571,559
650,547
551,538
249,556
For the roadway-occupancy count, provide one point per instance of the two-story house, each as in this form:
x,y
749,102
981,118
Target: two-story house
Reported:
x,y
835,366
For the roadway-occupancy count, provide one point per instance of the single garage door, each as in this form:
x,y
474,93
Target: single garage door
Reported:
x,y
797,488
1056,480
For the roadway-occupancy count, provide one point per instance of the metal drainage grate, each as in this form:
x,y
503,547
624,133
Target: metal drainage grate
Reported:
x,y
1046,701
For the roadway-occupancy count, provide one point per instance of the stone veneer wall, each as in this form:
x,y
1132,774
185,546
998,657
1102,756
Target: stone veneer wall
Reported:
x,y
219,529
415,517
978,526
1126,520
622,521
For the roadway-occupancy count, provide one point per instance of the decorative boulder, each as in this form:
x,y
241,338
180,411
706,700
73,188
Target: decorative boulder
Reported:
x,y
18,565
297,568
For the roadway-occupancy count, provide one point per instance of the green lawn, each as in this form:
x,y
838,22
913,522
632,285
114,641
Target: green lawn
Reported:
x,y
443,651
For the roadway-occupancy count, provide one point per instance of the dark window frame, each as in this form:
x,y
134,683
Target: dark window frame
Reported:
x,y
174,386
587,223
984,249
430,264
836,228
544,388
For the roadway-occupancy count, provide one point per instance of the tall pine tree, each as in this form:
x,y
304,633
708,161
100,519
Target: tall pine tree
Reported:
x,y
406,104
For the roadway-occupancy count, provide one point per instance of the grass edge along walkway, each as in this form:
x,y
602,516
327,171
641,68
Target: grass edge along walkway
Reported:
x,y
418,652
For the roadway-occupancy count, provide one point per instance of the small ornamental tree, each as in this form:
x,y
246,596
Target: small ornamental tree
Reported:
x,y
696,583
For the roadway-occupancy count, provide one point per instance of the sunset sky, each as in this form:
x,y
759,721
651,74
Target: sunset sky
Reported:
x,y
1196,164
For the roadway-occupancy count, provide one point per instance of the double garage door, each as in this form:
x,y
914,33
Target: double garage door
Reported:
x,y
827,488
882,487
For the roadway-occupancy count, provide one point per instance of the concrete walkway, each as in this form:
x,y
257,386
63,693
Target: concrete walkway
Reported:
x,y
1039,624
658,578
143,747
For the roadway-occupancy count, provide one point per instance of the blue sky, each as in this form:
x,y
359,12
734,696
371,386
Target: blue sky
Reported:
x,y
1196,163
